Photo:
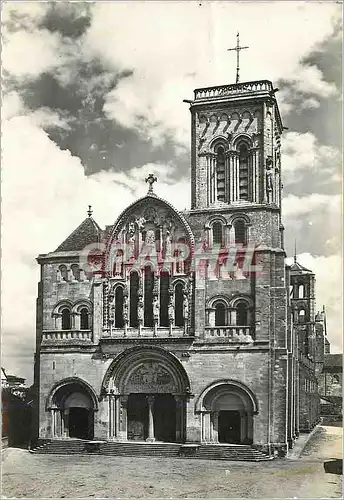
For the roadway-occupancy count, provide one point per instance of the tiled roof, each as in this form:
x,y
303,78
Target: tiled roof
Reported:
x,y
88,232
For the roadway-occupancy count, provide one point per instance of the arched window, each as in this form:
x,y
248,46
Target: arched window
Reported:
x,y
178,305
242,314
164,297
119,323
134,298
63,271
301,291
243,172
148,296
76,271
220,174
302,316
157,240
240,232
66,319
220,314
217,233
84,319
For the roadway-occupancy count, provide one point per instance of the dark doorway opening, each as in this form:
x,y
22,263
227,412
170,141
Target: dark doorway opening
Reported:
x,y
137,414
165,418
80,423
229,426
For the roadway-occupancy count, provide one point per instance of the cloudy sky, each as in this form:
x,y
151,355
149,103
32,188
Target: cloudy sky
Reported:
x,y
92,102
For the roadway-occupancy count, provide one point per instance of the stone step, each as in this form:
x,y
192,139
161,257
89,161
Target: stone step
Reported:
x,y
111,448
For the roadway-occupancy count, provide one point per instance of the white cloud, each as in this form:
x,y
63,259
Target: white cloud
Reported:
x,y
295,206
328,273
303,152
315,220
310,103
28,55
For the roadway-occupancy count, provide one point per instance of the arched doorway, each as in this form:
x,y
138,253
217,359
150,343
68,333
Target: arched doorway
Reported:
x,y
72,405
227,409
147,390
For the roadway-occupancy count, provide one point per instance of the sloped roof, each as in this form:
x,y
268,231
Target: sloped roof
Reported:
x,y
297,268
86,233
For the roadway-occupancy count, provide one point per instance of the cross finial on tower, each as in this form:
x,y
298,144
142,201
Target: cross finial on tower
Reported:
x,y
295,251
151,179
238,49
89,211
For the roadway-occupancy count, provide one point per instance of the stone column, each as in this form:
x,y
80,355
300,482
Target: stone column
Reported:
x,y
206,424
180,418
76,321
58,321
53,421
227,179
214,427
151,436
65,423
112,416
123,418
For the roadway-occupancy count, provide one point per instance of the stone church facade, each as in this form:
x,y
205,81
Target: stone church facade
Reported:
x,y
185,327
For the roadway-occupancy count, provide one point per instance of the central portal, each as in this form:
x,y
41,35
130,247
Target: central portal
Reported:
x,y
163,417
147,389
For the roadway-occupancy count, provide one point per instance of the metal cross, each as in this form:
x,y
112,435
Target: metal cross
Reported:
x,y
89,211
238,49
151,179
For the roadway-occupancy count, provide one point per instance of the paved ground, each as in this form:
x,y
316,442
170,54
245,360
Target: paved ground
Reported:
x,y
46,476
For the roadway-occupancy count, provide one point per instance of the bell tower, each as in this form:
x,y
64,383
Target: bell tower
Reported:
x,y
235,144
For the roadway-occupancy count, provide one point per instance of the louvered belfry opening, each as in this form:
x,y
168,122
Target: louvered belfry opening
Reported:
x,y
243,172
220,173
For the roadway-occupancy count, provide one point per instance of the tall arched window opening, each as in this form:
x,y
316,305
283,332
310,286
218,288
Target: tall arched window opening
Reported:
x,y
76,271
220,174
302,316
178,305
240,232
241,314
66,319
164,297
134,298
84,319
148,296
157,240
63,271
217,233
119,322
243,172
301,291
220,314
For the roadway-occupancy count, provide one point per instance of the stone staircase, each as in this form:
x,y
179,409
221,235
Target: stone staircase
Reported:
x,y
137,449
